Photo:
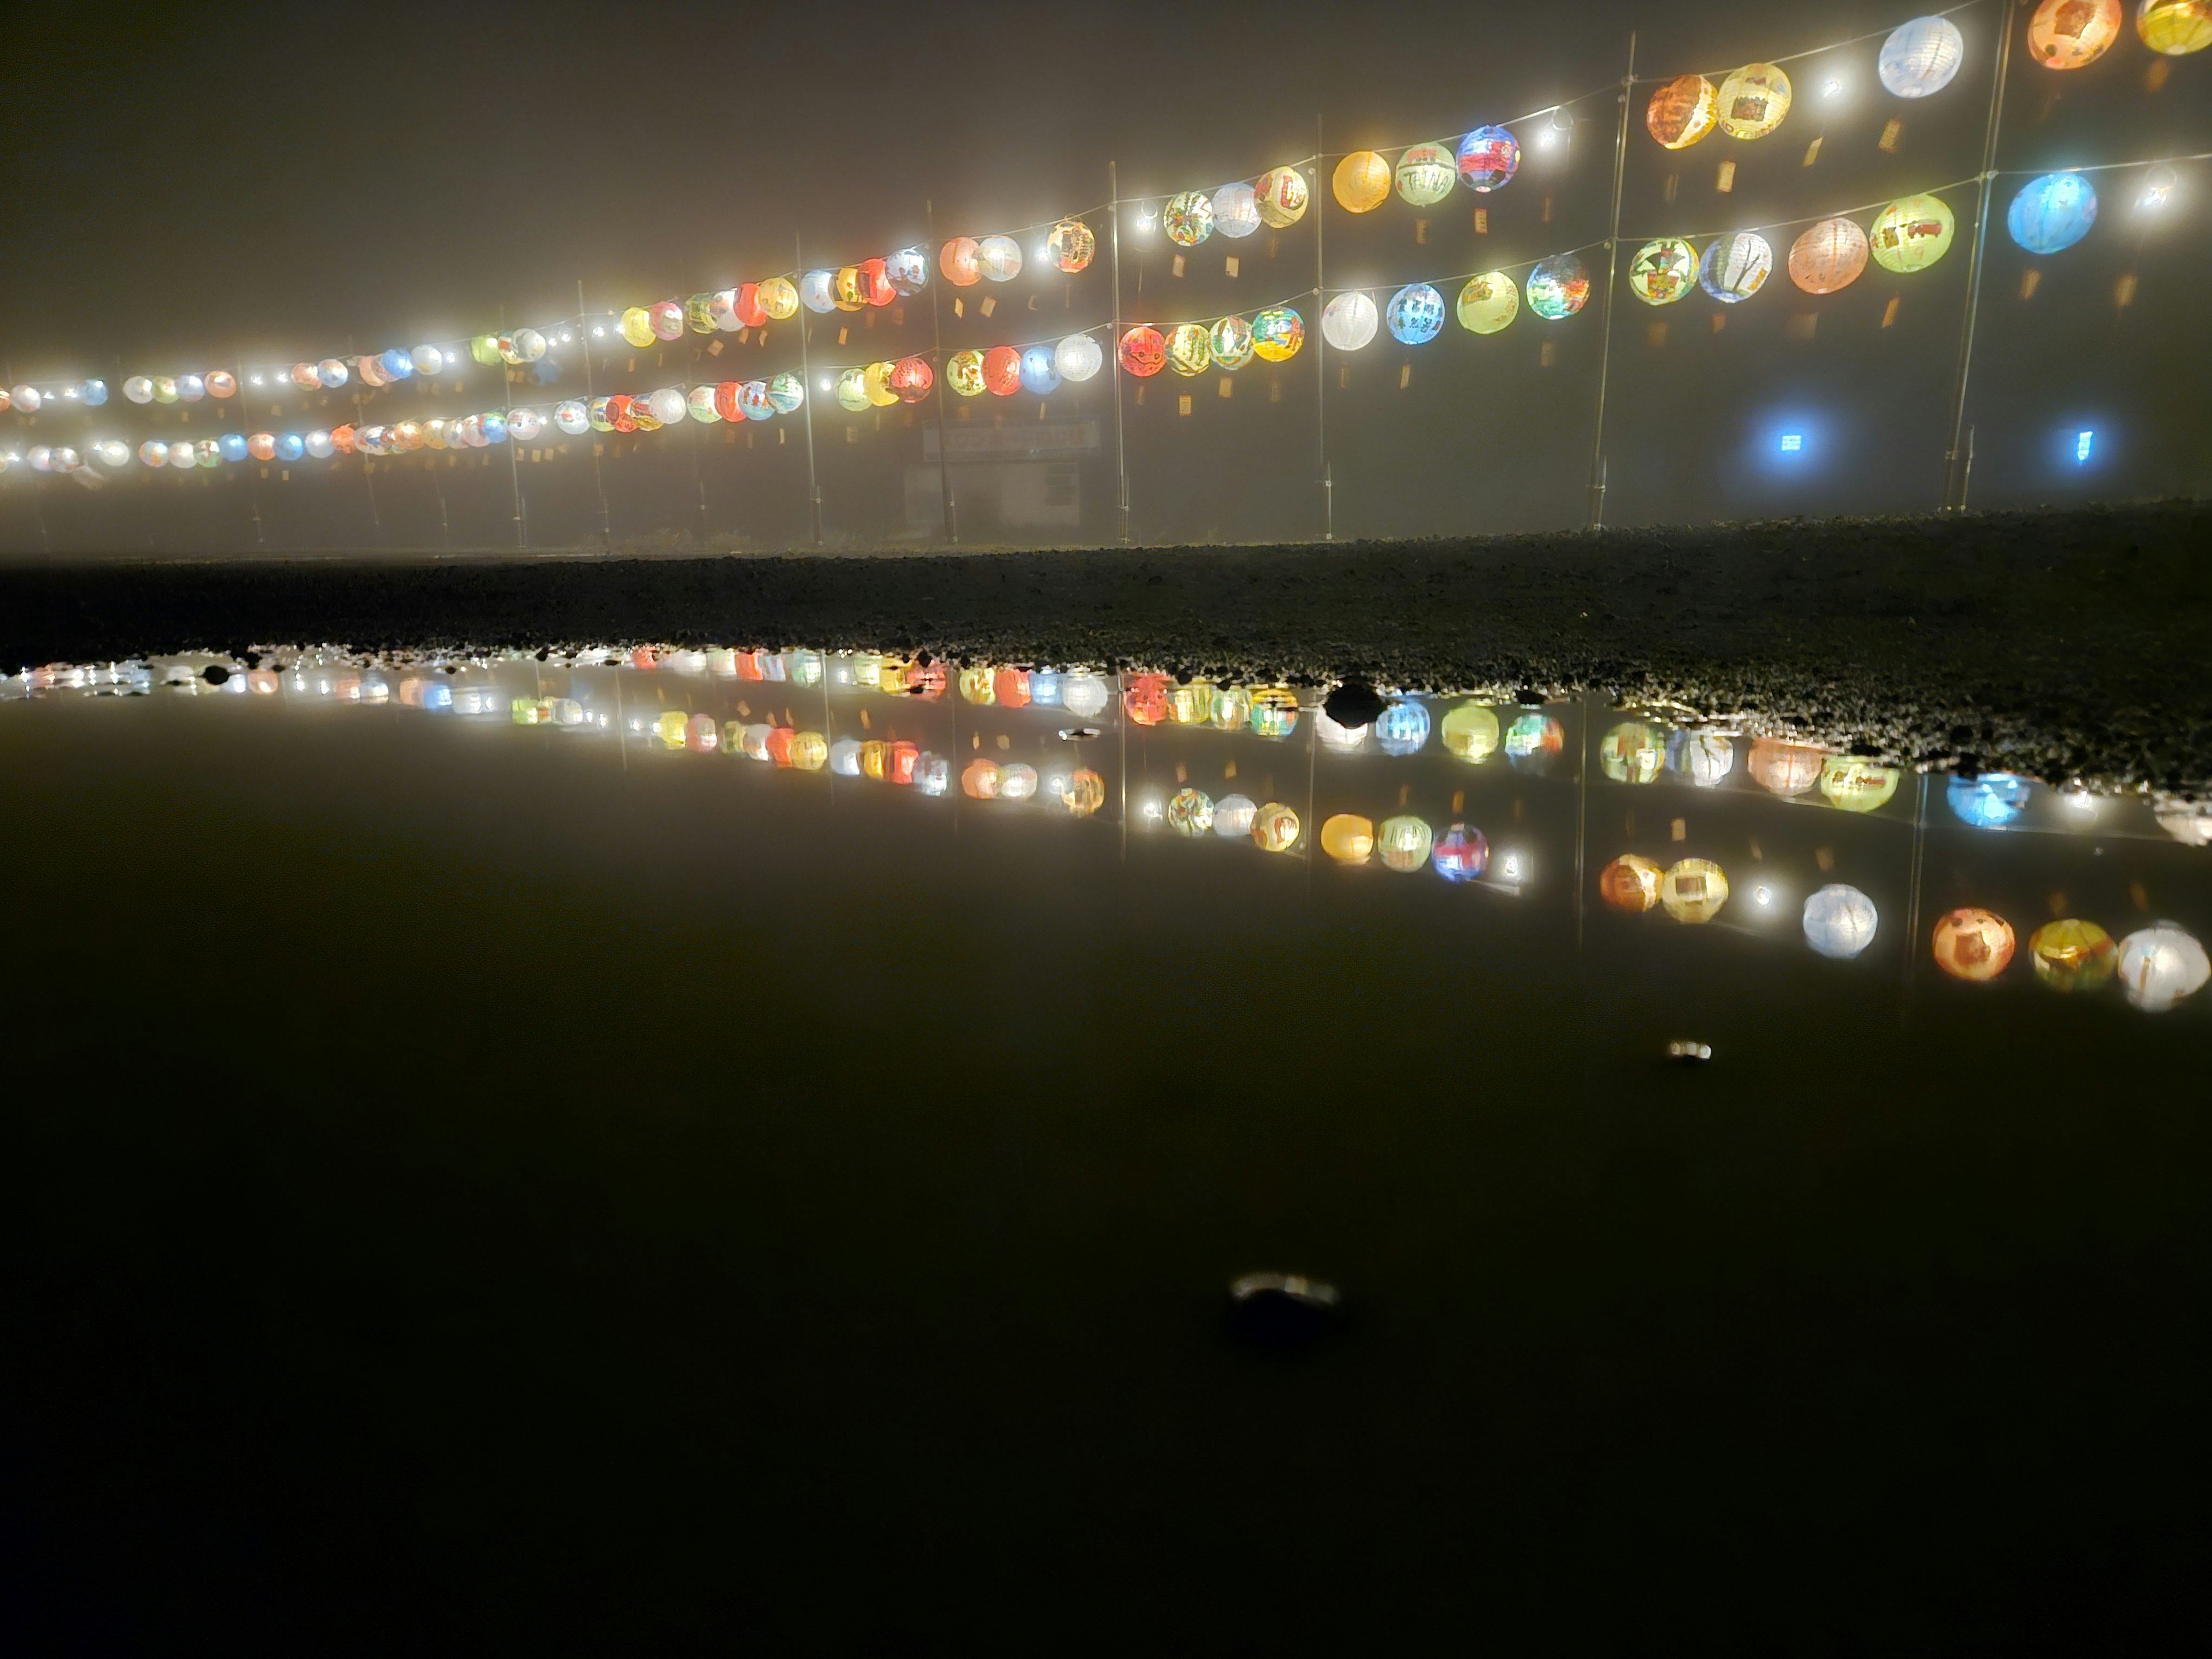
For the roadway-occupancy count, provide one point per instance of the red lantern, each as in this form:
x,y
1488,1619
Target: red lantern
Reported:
x,y
748,313
342,439
748,666
876,284
958,260
900,761
1011,686
726,401
1143,351
1002,371
925,684
618,414
911,378
1146,698
779,745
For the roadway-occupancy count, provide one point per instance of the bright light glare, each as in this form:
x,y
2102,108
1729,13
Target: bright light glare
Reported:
x,y
1833,89
1762,896
2083,443
1792,442
1510,867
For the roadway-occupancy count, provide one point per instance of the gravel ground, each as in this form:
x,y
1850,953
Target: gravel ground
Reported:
x,y
2059,643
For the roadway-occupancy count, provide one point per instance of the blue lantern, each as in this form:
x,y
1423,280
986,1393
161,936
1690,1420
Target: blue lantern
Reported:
x,y
1416,315
1401,728
93,393
1039,371
1989,802
291,447
494,426
1533,742
2052,213
232,445
1487,157
1839,920
1460,853
400,365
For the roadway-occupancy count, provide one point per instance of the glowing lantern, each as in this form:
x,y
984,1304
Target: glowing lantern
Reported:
x,y
979,779
1348,838
1470,733
1487,159
1784,768
755,404
1416,314
2066,34
2159,965
1187,218
1533,742
114,451
1736,267
221,386
1010,688
777,298
907,272
1083,792
232,445
1989,802
1921,57
302,375
1190,812
637,326
428,359
1662,271
960,261
1070,246
1144,698
999,258
667,319
1631,752
1232,705
853,391
1274,712
138,389
1343,739
165,388
1361,182
722,311
1693,889
1630,882
1840,921
1017,782
1277,334
875,282
1427,173
701,402
1559,286
1349,321
2175,27
1039,371
1229,343
1855,785
1753,100
1682,112
1077,357
1233,816
1085,695
528,425
2070,955
2052,213
527,345
1189,349
1143,351
1974,944
665,404
963,373
1275,827
1911,233
1828,255
978,686
1192,704
1488,302
911,378
1460,853
818,291
1002,371
725,396
1402,728
262,445
1281,197
1236,211
1404,842
848,289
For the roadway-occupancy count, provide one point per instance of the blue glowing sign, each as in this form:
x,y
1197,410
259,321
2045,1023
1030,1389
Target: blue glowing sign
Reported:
x,y
1792,442
2083,442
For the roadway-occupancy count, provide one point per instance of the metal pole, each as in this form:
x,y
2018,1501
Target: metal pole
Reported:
x,y
1611,275
599,478
1321,347
1113,347
252,473
937,344
805,373
698,466
514,460
1957,463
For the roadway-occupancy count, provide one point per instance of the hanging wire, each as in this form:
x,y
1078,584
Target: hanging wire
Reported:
x,y
1464,275
1815,52
1611,88
1810,218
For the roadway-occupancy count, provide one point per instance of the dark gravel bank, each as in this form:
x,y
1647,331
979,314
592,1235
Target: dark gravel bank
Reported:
x,y
2060,643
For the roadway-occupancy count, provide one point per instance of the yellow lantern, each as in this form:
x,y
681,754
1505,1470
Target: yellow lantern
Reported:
x,y
1911,233
1361,182
1275,827
669,728
1974,944
876,378
1488,302
1280,195
1348,838
1404,842
1188,352
1682,112
2175,27
1470,733
1693,890
810,752
1828,255
2066,34
1753,100
779,298
637,327
978,685
1855,785
2071,955
1630,882
874,753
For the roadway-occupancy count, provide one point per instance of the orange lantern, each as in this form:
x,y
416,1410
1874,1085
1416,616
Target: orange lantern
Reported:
x,y
1828,255
1361,182
1787,768
1012,688
1683,111
749,311
960,262
1002,371
1143,351
1974,944
980,781
2068,34
876,284
1630,882
911,378
726,401
1144,698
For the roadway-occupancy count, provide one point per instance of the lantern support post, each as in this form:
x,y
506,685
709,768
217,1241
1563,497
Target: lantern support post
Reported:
x,y
599,478
1958,460
1596,517
1114,350
1321,347
692,427
514,460
937,345
806,373
253,477
368,467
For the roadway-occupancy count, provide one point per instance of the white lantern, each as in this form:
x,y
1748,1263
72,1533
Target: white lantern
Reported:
x,y
138,389
666,405
2159,965
1078,357
319,445
1236,211
1349,321
1839,920
571,417
525,425
427,360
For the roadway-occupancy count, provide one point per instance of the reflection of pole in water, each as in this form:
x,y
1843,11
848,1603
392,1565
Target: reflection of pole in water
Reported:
x,y
1582,815
1913,889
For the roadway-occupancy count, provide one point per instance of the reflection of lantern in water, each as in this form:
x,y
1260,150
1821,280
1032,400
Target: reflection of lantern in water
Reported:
x,y
1973,943
1470,733
1753,100
1233,816
1274,711
1275,827
1693,889
1784,768
1630,882
1988,802
1704,758
1460,853
2175,27
1401,728
1343,739
1855,785
810,752
1010,688
978,685
2159,965
1144,698
1084,792
933,774
1682,112
845,757
2072,955
1192,704
875,754
1232,706
1348,838
669,728
700,735
1404,842
1190,812
900,759
1085,695
1017,782
1632,752
1044,689
979,779
1839,920
1533,742
2066,34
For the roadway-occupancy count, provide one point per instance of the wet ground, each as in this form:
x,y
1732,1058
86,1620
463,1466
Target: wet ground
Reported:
x,y
654,1149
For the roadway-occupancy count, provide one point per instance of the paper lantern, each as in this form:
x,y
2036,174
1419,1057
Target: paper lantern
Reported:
x,y
1631,752
786,392
2070,955
963,373
1989,802
570,417
1911,233
1416,314
1533,742
1736,267
1662,271
1348,838
637,326
319,445
1143,351
818,291
1070,246
2159,965
1693,889
26,400
1230,341
1278,333
1840,921
152,452
667,319
1427,173
1083,696
114,451
998,257
777,298
138,389
1974,944
428,359
1853,785
1361,182
1682,112
221,386
1784,768
1233,816
1460,853
1487,158
1191,704
1190,812
527,345
1232,706
1469,732
1083,792
1281,197
1349,321
911,378
330,374
1559,286
877,378
1274,712
1488,302
1402,727
979,779
2066,34
2051,213
2175,27
1078,357
191,388
753,403
1236,211
165,387
1342,739
291,446
699,404
1630,882
875,282
979,686
722,311
727,396
1828,255
961,262
528,425
853,391
1039,371
1753,100
1187,218
846,290
1921,57
1404,842
1188,352
1002,371
1017,782
666,404
907,272
232,445
1274,828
